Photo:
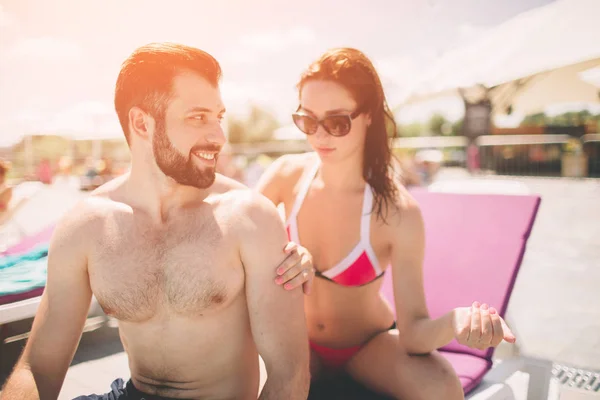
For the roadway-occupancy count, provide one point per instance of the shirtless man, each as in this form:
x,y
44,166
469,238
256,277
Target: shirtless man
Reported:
x,y
183,258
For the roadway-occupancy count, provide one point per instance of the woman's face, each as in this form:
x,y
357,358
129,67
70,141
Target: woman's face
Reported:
x,y
320,99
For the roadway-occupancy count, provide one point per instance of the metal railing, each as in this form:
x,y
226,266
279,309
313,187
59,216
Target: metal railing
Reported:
x,y
532,155
591,148
535,155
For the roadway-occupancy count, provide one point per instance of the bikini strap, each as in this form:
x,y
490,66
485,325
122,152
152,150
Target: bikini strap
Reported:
x,y
365,229
304,186
365,219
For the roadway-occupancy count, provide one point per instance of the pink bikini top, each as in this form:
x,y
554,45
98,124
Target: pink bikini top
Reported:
x,y
360,266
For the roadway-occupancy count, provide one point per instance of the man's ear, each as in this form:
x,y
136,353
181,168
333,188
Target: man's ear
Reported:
x,y
141,124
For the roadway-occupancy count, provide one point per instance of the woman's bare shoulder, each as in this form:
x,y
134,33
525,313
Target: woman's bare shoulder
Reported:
x,y
404,211
293,164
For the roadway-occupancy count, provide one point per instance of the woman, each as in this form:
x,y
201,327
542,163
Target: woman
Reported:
x,y
345,205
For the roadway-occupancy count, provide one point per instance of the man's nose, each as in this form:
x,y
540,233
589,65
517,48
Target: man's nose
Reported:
x,y
217,136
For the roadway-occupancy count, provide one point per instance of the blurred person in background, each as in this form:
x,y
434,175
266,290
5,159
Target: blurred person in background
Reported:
x,y
427,164
44,171
6,191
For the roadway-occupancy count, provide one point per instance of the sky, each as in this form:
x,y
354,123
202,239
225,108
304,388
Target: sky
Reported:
x,y
59,59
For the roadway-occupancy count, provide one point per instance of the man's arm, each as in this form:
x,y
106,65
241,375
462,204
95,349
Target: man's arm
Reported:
x,y
59,321
276,315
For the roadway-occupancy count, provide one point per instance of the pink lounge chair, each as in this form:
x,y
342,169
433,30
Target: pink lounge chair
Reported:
x,y
474,248
19,306
23,305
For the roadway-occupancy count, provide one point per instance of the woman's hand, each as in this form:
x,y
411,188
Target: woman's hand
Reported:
x,y
480,327
297,269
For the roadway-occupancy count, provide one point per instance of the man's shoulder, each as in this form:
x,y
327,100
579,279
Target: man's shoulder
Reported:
x,y
85,217
251,203
78,227
224,184
86,212
251,211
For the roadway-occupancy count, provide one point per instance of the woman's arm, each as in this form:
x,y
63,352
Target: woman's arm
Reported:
x,y
297,269
478,326
419,332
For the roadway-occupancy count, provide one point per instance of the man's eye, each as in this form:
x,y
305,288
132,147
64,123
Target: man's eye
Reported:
x,y
201,117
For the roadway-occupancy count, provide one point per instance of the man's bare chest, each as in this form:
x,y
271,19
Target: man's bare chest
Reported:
x,y
187,269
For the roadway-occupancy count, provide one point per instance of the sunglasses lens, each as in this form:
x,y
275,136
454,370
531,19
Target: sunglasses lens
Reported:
x,y
338,125
305,123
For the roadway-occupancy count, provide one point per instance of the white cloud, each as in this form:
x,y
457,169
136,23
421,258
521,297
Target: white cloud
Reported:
x,y
87,119
7,20
451,107
397,66
240,96
252,48
399,74
274,41
47,48
467,33
240,55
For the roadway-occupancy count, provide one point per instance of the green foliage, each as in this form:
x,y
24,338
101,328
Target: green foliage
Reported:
x,y
436,124
566,119
411,130
258,126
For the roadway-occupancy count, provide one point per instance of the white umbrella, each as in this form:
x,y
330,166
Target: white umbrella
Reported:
x,y
530,61
535,93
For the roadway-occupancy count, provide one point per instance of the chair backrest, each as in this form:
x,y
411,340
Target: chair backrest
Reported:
x,y
474,248
32,241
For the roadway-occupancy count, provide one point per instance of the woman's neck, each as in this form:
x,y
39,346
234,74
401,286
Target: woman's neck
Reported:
x,y
345,175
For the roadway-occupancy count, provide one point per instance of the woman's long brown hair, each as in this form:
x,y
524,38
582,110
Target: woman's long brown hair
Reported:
x,y
353,70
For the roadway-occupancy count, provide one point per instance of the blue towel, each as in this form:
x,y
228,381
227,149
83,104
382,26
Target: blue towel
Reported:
x,y
23,272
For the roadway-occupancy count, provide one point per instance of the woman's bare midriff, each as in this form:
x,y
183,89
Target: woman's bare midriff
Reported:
x,y
341,316
329,227
182,357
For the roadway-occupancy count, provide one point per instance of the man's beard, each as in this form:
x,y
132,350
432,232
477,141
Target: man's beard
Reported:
x,y
178,167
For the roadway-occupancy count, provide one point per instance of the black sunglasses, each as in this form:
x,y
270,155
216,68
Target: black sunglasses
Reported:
x,y
335,125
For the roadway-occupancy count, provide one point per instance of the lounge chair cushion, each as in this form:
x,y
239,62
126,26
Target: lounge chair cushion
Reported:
x,y
474,247
23,275
470,369
30,242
